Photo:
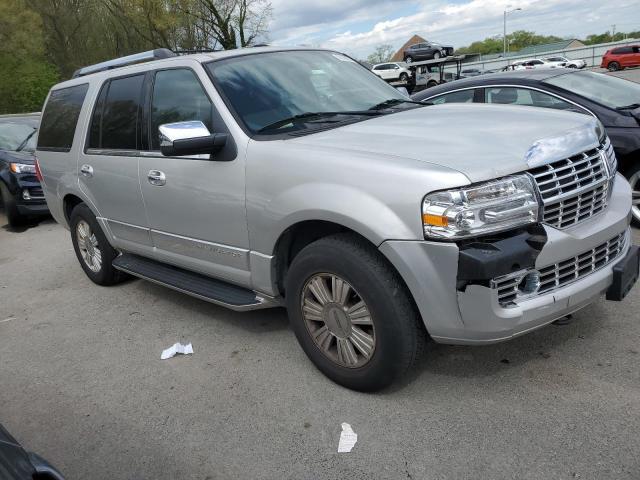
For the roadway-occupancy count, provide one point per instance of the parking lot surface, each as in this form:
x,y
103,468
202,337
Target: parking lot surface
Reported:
x,y
82,383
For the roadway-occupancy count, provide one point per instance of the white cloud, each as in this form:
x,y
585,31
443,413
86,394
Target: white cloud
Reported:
x,y
357,26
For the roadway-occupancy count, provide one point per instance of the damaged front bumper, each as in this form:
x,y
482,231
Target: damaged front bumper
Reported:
x,y
460,292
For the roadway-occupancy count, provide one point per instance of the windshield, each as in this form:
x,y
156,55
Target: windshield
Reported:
x,y
267,88
17,136
607,90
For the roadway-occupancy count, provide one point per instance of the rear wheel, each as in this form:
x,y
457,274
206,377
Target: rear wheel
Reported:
x,y
94,252
409,59
352,314
633,175
404,77
613,66
10,208
432,83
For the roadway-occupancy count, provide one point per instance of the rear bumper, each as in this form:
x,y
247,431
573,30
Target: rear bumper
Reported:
x,y
473,315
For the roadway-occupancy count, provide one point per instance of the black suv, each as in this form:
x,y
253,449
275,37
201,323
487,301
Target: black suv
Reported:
x,y
426,51
20,189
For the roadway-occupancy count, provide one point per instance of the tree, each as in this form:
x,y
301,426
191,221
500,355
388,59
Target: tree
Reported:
x,y
517,41
381,54
25,74
229,23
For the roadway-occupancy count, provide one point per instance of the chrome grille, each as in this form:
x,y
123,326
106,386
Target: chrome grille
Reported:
x,y
573,189
563,273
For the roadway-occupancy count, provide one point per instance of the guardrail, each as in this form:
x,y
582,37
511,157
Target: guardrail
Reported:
x,y
591,54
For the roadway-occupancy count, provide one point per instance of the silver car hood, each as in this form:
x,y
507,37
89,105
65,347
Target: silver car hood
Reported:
x,y
480,141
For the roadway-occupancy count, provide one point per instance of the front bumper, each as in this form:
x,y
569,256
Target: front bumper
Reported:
x,y
473,315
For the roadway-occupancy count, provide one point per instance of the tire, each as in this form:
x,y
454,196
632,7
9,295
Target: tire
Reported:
x,y
436,55
633,176
613,66
10,207
409,59
94,242
572,66
404,77
432,84
394,331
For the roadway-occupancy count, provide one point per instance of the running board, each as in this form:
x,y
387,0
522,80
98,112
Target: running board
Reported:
x,y
191,283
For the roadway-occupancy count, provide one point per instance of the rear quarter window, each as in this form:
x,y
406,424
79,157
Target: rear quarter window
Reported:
x,y
60,118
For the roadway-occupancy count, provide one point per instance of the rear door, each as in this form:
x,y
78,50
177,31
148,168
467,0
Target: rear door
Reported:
x,y
109,165
197,215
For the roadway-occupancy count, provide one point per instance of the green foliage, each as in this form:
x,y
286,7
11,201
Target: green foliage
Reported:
x,y
517,41
25,73
607,37
382,53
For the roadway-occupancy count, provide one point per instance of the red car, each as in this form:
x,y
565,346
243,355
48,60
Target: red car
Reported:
x,y
621,57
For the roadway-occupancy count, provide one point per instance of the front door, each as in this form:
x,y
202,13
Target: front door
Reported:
x,y
109,165
197,211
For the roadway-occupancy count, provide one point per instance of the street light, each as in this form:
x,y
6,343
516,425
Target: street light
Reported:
x,y
504,32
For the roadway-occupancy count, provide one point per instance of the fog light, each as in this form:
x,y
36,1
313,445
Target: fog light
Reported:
x,y
25,194
530,283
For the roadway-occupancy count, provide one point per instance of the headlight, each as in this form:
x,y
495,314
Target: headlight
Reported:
x,y
22,168
480,209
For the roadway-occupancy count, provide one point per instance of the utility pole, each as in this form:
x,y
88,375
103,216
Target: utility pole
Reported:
x,y
613,32
504,28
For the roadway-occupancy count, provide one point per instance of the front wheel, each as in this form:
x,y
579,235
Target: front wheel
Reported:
x,y
436,55
92,248
352,313
614,66
633,176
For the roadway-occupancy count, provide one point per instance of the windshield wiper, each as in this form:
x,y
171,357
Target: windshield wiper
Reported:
x,y
313,115
393,102
26,140
629,107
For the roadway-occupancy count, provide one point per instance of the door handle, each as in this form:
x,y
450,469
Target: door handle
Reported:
x,y
86,170
157,178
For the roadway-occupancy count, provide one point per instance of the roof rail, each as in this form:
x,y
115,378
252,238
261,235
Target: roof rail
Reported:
x,y
157,54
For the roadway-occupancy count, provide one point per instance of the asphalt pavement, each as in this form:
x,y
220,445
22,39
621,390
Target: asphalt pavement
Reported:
x,y
82,383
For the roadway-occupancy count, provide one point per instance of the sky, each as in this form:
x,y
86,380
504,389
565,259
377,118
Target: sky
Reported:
x,y
356,27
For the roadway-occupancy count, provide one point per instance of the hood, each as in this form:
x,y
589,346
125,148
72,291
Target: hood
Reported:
x,y
480,141
21,157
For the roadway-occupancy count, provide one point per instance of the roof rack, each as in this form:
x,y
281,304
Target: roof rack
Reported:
x,y
157,54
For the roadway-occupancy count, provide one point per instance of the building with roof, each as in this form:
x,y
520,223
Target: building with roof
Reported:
x,y
399,55
535,50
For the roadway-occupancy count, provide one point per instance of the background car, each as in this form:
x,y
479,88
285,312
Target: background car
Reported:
x,y
392,71
20,189
532,64
470,72
426,51
614,101
621,57
18,464
564,62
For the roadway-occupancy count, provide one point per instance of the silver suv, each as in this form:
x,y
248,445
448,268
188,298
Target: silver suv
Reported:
x,y
267,177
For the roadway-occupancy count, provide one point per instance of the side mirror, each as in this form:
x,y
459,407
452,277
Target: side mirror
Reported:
x,y
189,138
403,91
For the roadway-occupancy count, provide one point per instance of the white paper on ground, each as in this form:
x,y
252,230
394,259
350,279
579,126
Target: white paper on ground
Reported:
x,y
176,348
348,439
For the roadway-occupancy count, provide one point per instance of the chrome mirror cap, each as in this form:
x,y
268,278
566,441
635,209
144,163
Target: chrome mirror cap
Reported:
x,y
170,132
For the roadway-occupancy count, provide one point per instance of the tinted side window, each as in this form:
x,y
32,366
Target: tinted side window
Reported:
x,y
95,140
60,118
120,122
463,96
178,96
622,50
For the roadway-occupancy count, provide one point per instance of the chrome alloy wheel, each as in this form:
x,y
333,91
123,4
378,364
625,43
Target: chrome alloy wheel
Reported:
x,y
634,181
88,246
338,320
